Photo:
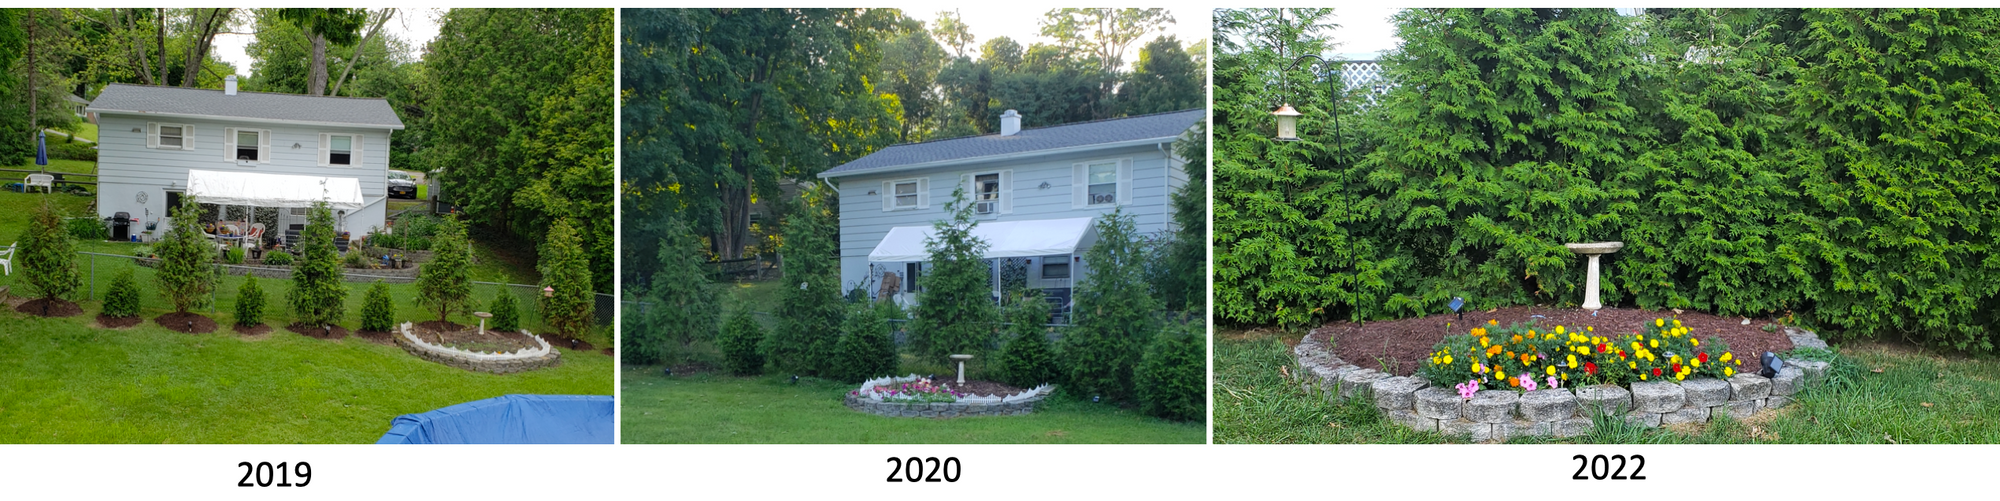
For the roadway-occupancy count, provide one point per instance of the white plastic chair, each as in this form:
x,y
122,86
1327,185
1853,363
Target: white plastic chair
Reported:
x,y
43,180
7,258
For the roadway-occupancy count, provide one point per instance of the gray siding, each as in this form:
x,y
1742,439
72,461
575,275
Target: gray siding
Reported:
x,y
126,166
863,223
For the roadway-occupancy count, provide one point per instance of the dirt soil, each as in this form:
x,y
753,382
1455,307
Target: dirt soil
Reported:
x,y
255,330
469,337
1399,344
561,341
377,337
118,322
316,332
981,388
56,309
189,323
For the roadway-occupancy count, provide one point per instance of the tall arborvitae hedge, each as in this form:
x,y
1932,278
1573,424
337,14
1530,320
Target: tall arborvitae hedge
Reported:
x,y
683,306
1115,313
955,312
318,296
810,309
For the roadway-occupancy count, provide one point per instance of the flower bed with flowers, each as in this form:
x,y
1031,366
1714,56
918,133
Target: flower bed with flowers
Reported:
x,y
1497,382
914,396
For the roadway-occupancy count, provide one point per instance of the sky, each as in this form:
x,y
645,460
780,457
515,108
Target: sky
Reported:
x,y
1024,25
417,26
1364,33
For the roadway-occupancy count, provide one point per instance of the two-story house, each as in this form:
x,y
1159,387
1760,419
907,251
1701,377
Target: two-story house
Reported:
x,y
1037,193
265,150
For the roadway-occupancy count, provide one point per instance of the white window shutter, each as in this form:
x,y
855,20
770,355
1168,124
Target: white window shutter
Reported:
x,y
229,144
1007,191
325,144
1078,191
354,152
187,137
1125,181
888,196
152,135
264,146
923,193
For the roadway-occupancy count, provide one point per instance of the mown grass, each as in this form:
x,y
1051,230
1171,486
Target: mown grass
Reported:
x,y
1257,402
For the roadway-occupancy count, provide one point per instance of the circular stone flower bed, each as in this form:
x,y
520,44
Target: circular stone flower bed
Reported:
x,y
1548,405
469,349
915,396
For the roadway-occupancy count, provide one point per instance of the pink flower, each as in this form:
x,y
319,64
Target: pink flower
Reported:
x,y
1467,389
1527,383
1553,383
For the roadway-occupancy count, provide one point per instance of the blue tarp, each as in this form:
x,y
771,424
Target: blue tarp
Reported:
x,y
511,419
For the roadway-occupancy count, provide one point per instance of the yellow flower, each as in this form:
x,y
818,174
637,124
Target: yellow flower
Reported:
x,y
1728,371
1696,362
1447,359
1482,341
1697,342
1659,322
1559,329
1552,370
1572,361
1677,322
1642,376
1492,322
1654,343
1565,376
1590,328
1634,365
1726,356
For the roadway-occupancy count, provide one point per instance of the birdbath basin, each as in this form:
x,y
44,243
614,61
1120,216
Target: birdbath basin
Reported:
x,y
1592,250
482,320
961,366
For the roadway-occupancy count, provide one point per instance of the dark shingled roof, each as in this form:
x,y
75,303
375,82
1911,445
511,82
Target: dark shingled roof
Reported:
x,y
1155,126
145,99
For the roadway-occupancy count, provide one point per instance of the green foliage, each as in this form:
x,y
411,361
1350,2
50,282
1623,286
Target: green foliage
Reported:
x,y
356,258
378,310
1179,274
278,258
234,255
867,347
685,307
86,152
250,302
955,312
186,274
47,254
566,268
1026,360
506,312
742,345
1164,79
809,313
85,228
121,300
1172,377
317,296
443,284
1116,316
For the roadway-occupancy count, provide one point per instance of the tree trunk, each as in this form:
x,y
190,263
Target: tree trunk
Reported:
x,y
160,35
316,79
204,40
135,53
357,49
34,122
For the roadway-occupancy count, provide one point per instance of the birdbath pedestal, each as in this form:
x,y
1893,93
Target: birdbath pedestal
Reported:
x,y
1592,250
961,366
484,315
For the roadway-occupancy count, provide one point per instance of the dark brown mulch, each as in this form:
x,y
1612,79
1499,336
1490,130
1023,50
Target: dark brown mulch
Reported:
x,y
189,323
318,332
56,309
606,352
1399,344
254,330
469,337
980,388
561,341
377,337
118,322
436,326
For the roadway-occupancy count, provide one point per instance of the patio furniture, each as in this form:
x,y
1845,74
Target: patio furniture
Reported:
x,y
7,258
47,182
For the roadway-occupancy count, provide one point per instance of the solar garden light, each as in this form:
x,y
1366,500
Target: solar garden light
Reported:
x,y
1456,304
1772,364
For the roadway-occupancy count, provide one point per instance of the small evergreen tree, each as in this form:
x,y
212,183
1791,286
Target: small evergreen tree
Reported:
x,y
122,299
378,311
506,312
955,312
250,302
566,268
186,275
742,345
444,285
1173,375
317,296
810,311
685,308
866,348
47,254
1115,315
1026,360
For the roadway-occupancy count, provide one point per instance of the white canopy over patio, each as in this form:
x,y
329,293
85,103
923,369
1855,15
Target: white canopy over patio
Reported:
x,y
273,190
1005,239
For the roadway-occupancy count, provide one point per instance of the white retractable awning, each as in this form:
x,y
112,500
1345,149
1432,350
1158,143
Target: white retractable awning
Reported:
x,y
1046,237
273,190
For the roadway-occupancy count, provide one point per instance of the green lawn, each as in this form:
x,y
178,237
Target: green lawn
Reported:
x,y
710,408
1257,403
83,130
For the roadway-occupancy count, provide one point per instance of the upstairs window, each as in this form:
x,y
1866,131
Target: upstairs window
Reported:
x,y
246,145
905,194
340,150
170,136
161,136
986,193
1103,183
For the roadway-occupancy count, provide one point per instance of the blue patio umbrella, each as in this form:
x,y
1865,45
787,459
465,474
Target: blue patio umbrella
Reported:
x,y
41,148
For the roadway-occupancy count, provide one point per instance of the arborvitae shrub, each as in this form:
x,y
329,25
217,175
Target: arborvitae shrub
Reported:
x,y
810,306
867,349
566,268
378,311
955,313
1116,314
250,302
1172,377
506,312
186,273
318,297
1026,360
742,345
444,285
683,307
47,254
122,299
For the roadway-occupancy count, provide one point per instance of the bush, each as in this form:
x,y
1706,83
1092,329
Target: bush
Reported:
x,y
1116,316
250,302
444,284
955,313
378,311
506,311
86,152
867,349
742,345
356,258
121,300
86,228
233,256
278,258
566,268
415,231
143,251
683,308
1026,360
317,296
810,309
186,273
47,254
1172,377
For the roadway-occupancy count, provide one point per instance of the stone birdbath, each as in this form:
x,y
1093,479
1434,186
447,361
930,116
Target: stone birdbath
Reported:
x,y
484,315
961,366
1593,250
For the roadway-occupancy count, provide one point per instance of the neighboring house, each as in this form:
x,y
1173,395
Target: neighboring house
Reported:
x,y
243,148
1037,194
78,104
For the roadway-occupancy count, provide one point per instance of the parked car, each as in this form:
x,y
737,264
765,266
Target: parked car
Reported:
x,y
401,185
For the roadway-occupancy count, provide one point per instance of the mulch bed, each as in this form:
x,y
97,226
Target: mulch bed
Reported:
x,y
980,388
188,323
606,352
111,322
56,309
377,337
1398,345
468,337
317,332
561,341
254,330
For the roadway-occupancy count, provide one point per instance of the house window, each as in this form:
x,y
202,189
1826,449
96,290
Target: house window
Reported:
x,y
910,273
170,136
986,193
246,144
1052,270
340,150
174,200
1102,183
906,194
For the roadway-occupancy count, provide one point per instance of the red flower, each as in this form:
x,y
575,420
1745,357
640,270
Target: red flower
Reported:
x,y
1603,348
1677,367
1590,367
1656,371
1621,354
1703,357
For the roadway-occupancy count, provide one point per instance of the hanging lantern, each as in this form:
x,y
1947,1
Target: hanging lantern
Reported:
x,y
1288,122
